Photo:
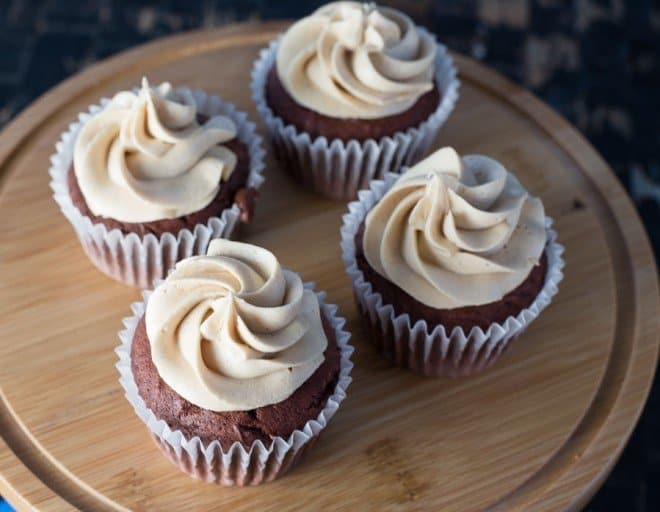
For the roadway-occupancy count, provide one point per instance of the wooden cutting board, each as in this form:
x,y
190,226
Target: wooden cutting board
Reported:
x,y
540,431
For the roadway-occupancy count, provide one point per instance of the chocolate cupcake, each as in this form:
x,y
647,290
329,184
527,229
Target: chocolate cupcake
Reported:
x,y
351,92
234,365
153,175
449,261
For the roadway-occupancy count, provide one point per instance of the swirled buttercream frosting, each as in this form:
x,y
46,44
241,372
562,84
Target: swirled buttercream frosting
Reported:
x,y
454,232
354,60
233,330
145,157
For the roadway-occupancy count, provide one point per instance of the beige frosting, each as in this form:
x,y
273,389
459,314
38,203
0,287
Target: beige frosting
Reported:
x,y
455,232
353,60
145,157
232,330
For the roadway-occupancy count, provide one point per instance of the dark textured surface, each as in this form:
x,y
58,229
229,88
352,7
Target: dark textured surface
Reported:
x,y
317,125
595,61
466,317
245,427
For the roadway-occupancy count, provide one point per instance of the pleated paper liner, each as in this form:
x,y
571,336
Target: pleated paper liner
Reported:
x,y
237,465
139,260
430,350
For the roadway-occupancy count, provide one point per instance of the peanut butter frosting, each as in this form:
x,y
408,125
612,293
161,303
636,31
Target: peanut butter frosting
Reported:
x,y
354,60
232,330
454,232
145,157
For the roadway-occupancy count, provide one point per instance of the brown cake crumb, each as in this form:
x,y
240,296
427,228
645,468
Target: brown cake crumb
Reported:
x,y
465,317
224,199
245,427
316,125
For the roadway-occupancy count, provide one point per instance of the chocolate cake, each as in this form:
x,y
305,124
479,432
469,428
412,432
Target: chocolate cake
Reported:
x,y
465,317
245,427
316,125
232,190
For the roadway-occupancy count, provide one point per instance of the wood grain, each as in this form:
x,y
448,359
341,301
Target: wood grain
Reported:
x,y
540,431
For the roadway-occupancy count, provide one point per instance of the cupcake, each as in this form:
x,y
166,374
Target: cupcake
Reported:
x,y
234,364
151,176
449,261
351,92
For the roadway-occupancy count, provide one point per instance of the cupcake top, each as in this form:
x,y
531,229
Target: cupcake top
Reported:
x,y
146,157
232,330
454,232
354,60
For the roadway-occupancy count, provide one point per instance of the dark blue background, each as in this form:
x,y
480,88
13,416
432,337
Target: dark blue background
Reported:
x,y
595,61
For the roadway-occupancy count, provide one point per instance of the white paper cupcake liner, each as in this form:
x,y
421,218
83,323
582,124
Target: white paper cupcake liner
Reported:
x,y
139,260
338,169
237,465
425,349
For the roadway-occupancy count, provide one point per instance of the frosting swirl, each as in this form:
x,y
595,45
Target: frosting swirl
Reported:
x,y
145,157
232,330
352,60
455,232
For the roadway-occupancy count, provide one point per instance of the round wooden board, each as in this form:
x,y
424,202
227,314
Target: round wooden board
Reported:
x,y
540,431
